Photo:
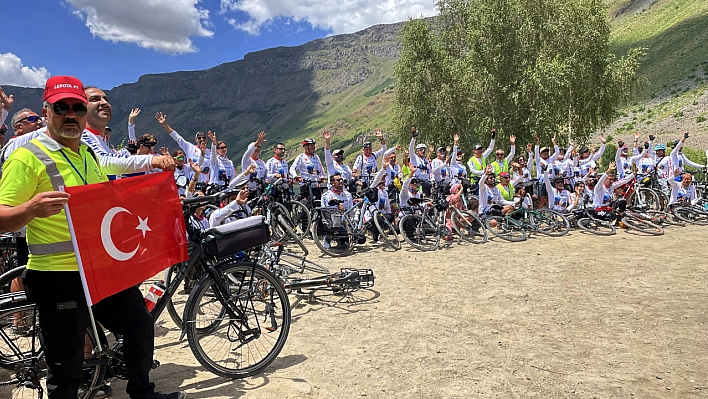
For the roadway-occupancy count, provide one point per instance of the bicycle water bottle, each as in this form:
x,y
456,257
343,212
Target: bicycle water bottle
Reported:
x,y
156,291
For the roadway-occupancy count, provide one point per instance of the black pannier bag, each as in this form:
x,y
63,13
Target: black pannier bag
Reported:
x,y
330,219
237,236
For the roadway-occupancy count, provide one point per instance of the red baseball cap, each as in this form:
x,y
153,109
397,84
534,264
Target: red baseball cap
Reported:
x,y
61,87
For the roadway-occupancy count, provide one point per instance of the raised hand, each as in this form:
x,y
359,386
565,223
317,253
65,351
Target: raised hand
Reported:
x,y
378,133
448,148
553,140
251,168
261,138
512,139
535,137
7,100
489,169
326,135
636,136
195,167
677,172
163,162
164,151
603,140
456,138
133,113
529,147
212,136
161,118
202,147
613,166
398,147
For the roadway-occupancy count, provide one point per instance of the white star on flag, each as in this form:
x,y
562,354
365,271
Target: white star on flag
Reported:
x,y
143,225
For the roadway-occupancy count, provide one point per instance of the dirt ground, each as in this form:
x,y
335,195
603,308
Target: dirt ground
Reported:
x,y
574,317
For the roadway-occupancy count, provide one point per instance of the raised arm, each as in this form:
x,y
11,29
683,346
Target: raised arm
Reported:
x,y
596,156
131,123
512,150
490,148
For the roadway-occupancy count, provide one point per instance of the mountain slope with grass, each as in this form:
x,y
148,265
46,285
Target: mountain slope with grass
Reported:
x,y
345,84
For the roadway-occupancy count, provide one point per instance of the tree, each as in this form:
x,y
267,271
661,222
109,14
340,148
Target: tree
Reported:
x,y
520,66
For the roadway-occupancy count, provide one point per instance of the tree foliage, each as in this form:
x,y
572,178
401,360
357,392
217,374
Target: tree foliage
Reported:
x,y
520,66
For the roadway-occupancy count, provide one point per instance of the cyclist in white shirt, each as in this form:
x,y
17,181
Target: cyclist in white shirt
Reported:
x,y
442,174
335,162
252,156
393,170
233,207
410,188
277,166
457,166
543,161
682,188
588,160
308,166
606,185
646,160
490,199
365,167
679,160
560,199
419,159
191,151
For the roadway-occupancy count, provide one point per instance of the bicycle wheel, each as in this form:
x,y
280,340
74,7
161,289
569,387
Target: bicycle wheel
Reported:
x,y
550,222
336,244
645,226
300,218
420,232
645,196
386,231
299,263
22,356
666,218
7,278
175,305
253,330
598,227
277,232
691,215
505,228
469,227
663,199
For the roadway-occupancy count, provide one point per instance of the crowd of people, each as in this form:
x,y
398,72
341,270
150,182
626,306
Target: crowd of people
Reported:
x,y
69,144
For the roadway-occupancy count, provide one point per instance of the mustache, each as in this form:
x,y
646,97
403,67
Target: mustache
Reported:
x,y
70,120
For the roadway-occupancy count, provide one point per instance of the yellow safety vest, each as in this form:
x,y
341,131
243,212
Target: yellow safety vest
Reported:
x,y
44,165
500,168
478,165
507,195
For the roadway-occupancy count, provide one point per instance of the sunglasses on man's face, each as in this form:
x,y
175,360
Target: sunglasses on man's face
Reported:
x,y
30,119
280,148
201,138
337,179
500,154
179,158
223,147
61,108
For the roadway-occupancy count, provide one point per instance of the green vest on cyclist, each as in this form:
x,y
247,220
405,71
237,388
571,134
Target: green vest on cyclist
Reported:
x,y
506,192
479,164
498,167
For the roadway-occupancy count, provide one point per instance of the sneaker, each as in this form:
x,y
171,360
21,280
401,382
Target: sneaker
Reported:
x,y
380,242
104,391
326,244
21,330
173,395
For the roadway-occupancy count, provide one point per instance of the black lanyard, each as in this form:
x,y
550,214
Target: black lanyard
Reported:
x,y
77,171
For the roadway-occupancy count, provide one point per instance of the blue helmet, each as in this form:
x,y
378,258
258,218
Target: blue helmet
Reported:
x,y
660,147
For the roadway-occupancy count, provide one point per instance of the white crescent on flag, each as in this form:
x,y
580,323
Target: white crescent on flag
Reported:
x,y
108,244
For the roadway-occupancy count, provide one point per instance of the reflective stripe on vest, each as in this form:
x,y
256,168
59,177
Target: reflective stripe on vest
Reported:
x,y
479,165
507,195
57,181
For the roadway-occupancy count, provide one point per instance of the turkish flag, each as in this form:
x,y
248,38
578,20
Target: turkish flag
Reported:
x,y
126,231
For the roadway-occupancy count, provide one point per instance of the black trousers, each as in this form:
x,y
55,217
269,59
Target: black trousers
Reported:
x,y
22,251
63,319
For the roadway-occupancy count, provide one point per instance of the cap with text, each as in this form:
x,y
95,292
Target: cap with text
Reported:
x,y
59,88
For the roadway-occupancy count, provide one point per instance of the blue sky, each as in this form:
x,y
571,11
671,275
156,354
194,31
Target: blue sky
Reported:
x,y
109,42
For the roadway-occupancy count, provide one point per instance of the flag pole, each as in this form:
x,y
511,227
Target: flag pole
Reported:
x,y
87,295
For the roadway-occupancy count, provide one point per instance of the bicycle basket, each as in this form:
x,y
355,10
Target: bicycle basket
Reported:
x,y
237,236
330,218
442,205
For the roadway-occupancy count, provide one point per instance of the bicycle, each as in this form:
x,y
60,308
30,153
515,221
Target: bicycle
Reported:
x,y
686,212
419,227
587,220
467,224
514,225
237,317
637,218
279,194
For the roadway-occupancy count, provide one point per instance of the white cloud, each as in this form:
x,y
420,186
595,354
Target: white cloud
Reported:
x,y
163,25
342,16
12,72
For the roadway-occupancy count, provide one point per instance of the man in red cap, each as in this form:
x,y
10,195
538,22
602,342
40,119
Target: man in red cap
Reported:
x,y
29,195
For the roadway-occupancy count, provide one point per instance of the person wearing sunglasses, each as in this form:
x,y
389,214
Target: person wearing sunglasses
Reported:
x,y
335,162
419,162
308,166
192,151
25,121
365,163
277,166
252,156
30,197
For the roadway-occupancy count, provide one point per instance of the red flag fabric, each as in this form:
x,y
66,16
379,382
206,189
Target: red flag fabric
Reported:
x,y
126,231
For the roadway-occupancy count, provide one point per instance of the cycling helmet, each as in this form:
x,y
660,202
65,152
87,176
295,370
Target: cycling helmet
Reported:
x,y
441,150
660,147
366,144
337,152
478,147
199,135
420,147
308,141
